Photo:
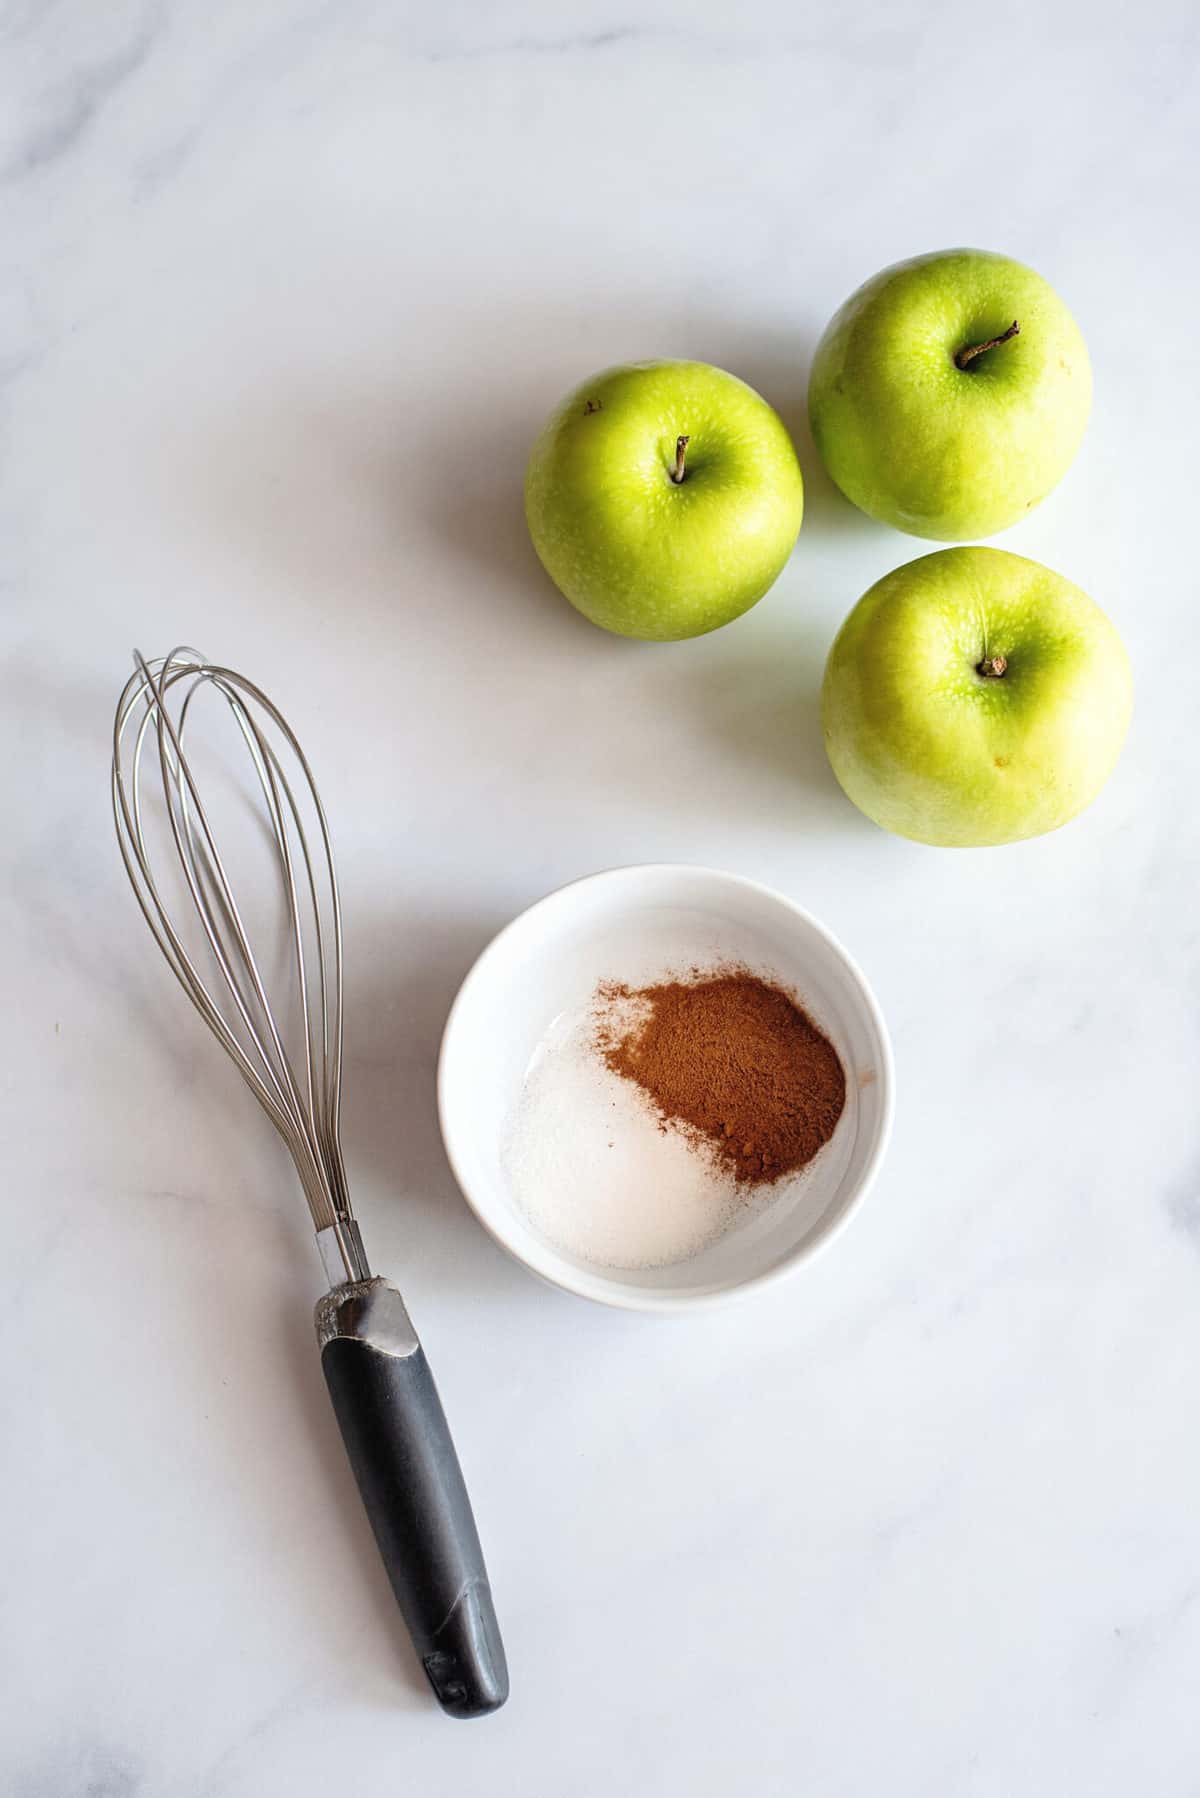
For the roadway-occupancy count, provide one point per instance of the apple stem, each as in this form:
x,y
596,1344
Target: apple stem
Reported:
x,y
992,667
966,356
681,444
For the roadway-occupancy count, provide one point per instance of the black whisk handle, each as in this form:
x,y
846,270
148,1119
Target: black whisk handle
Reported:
x,y
399,1445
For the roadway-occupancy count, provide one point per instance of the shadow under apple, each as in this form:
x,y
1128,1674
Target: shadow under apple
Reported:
x,y
473,495
474,469
759,704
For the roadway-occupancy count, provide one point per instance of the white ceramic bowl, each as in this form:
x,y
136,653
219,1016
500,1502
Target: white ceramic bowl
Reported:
x,y
633,924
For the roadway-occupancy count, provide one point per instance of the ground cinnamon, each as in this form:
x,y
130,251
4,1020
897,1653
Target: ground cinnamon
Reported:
x,y
733,1061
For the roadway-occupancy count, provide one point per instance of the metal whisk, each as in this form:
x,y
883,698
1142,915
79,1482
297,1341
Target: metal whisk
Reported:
x,y
290,1056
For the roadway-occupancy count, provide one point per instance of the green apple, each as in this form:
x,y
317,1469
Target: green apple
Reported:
x,y
975,697
663,498
950,394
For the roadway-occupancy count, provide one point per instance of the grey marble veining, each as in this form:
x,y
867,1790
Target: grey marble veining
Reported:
x,y
71,103
286,290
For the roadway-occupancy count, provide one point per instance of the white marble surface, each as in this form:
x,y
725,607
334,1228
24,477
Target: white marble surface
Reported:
x,y
286,289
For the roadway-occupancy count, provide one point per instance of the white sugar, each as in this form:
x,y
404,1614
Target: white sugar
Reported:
x,y
593,1171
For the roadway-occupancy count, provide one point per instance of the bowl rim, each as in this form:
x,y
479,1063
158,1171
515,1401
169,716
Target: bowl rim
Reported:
x,y
607,1289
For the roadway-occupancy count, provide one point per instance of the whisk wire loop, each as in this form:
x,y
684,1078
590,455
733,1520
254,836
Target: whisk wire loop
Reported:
x,y
301,1097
